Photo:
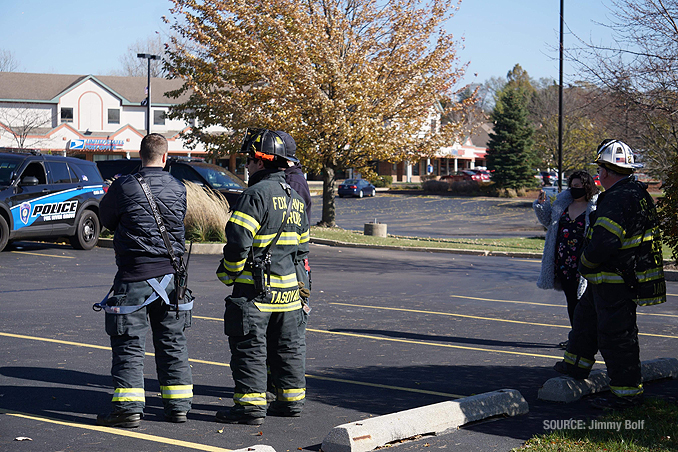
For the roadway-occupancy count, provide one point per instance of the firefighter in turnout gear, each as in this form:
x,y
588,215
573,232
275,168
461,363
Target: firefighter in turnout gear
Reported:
x,y
267,240
622,264
144,293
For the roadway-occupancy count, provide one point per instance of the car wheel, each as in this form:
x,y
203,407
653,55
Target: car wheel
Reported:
x,y
374,192
4,233
87,232
360,194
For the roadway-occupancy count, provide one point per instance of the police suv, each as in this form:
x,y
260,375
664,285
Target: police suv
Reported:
x,y
43,196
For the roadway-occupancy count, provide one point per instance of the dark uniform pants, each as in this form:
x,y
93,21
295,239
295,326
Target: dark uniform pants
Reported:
x,y
250,332
128,342
605,320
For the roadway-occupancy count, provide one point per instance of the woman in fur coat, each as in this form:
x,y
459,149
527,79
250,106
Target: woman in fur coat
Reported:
x,y
566,220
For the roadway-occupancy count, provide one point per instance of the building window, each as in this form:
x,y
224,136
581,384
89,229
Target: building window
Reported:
x,y
433,125
114,116
158,117
66,114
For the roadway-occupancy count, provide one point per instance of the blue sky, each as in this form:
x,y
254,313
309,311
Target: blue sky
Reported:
x,y
89,36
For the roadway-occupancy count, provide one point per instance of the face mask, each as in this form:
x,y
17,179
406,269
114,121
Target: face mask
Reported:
x,y
578,192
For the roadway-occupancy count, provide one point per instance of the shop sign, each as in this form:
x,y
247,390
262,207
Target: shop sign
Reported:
x,y
95,145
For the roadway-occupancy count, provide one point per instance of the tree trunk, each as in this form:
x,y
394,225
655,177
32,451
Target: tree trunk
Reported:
x,y
329,212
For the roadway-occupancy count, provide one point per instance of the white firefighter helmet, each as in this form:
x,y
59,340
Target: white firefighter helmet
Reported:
x,y
617,156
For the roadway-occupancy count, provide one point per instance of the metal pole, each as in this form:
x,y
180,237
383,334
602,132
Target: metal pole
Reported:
x,y
560,104
148,99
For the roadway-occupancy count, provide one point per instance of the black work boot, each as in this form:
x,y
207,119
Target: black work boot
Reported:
x,y
613,402
122,419
283,410
571,371
232,416
177,417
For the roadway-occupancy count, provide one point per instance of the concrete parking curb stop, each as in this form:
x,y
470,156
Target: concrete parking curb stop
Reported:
x,y
566,389
368,434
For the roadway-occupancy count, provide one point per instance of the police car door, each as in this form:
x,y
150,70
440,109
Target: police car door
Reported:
x,y
62,206
30,189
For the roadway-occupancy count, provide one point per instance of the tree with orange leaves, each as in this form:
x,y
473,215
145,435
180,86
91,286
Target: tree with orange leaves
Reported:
x,y
353,81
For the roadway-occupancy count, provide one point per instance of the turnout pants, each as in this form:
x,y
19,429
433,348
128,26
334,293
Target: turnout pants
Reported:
x,y
128,342
605,320
253,335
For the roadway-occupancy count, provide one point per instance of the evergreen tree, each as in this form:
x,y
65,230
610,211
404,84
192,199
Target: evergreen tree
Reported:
x,y
510,153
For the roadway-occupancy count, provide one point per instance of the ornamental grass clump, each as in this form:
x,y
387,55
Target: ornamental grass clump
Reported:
x,y
207,212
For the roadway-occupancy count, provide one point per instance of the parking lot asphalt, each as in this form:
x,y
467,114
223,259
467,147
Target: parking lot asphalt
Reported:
x,y
436,216
389,330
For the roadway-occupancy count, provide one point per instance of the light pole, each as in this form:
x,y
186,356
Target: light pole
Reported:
x,y
560,104
148,57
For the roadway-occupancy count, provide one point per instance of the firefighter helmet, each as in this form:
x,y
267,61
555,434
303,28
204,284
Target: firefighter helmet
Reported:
x,y
617,156
269,145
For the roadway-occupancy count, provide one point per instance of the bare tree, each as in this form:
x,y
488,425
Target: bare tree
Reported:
x,y
132,66
23,125
8,61
639,72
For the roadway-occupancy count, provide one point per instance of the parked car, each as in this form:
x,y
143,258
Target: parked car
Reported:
x,y
49,196
356,187
481,175
548,178
185,169
468,175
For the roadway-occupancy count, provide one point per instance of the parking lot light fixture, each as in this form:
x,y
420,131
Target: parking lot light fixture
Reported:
x,y
148,57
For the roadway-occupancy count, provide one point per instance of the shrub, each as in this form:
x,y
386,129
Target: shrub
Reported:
x,y
382,181
666,209
464,187
435,186
522,192
206,214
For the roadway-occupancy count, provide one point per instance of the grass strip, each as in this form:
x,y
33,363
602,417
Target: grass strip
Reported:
x,y
514,244
652,426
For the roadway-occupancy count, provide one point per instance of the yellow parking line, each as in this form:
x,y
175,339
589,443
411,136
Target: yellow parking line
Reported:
x,y
408,341
482,318
452,315
397,388
547,304
114,431
40,254
215,363
56,341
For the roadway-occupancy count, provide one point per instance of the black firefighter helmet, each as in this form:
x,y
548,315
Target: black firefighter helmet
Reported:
x,y
270,145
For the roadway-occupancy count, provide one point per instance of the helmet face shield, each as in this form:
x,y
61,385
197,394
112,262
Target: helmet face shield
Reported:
x,y
247,140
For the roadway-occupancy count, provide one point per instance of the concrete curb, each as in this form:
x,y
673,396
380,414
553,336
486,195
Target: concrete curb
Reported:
x,y
256,448
329,242
217,248
566,389
368,434
198,248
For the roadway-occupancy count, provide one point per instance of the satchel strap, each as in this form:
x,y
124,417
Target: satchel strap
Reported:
x,y
177,264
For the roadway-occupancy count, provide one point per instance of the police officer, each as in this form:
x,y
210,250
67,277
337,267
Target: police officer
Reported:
x,y
622,263
144,290
267,240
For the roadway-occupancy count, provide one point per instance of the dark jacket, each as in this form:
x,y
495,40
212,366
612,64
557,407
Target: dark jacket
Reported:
x,y
623,247
140,251
253,225
295,177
